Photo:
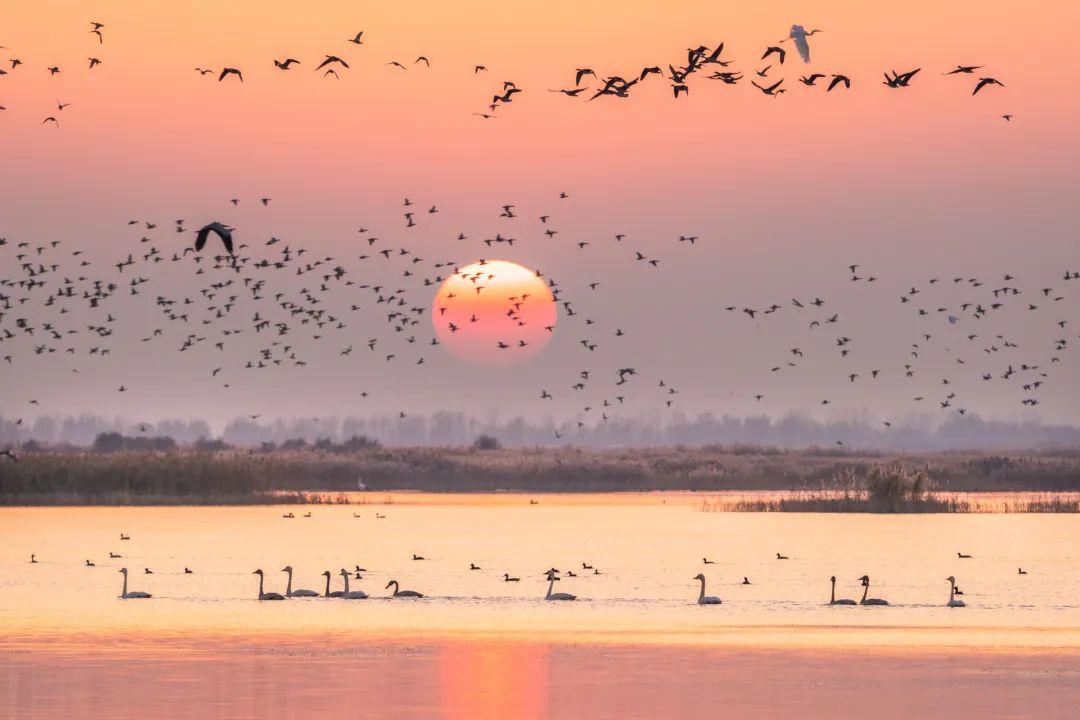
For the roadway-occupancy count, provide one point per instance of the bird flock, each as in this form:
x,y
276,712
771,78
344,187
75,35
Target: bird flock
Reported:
x,y
699,61
300,306
551,575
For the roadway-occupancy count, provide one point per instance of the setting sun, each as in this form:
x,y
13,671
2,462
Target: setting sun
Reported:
x,y
494,313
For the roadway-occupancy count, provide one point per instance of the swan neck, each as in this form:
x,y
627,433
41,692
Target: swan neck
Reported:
x,y
865,590
260,585
701,595
288,588
832,594
124,593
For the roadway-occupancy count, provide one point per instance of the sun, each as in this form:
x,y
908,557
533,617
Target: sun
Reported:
x,y
494,313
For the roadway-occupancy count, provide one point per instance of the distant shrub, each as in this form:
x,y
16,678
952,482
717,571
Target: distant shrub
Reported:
x,y
214,445
487,442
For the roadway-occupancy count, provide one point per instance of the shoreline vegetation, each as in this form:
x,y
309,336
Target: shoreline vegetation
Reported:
x,y
808,480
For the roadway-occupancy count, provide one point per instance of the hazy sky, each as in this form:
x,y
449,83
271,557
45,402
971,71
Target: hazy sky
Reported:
x,y
782,194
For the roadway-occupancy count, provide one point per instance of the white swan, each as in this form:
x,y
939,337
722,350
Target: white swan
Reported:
x,y
134,594
559,595
702,598
351,594
266,595
289,592
336,593
402,593
953,602
832,595
866,588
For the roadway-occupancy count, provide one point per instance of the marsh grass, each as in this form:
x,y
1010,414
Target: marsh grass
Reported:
x,y
822,480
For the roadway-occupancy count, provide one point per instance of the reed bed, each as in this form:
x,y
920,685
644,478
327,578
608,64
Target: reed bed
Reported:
x,y
823,480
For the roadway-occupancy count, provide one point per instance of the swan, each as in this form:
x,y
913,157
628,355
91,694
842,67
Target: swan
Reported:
x,y
89,564
134,594
1019,571
32,558
288,516
336,593
307,514
188,571
402,593
356,515
963,556
507,578
418,557
351,594
782,557
113,556
571,573
832,595
745,580
266,595
147,571
585,566
707,561
559,595
474,566
359,569
124,537
358,576
866,588
704,599
379,516
953,602
289,592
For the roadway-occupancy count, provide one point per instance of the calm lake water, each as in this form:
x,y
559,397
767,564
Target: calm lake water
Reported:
x,y
67,637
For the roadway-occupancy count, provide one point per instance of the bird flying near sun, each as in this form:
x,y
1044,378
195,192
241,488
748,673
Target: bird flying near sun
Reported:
x,y
494,313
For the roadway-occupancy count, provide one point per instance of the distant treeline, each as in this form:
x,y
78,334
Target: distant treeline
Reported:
x,y
456,429
216,474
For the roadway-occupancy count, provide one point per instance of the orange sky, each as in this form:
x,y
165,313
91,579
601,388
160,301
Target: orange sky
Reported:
x,y
783,192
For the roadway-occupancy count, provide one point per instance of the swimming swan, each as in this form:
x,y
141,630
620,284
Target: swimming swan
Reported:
x,y
266,595
289,592
866,588
402,593
351,594
336,593
953,602
507,578
704,599
559,595
133,595
832,595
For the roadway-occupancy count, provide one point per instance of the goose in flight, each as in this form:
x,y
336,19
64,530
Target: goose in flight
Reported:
x,y
704,599
983,82
559,595
965,69
134,594
330,59
773,89
865,579
837,79
357,39
221,230
351,594
336,593
953,602
832,595
402,593
266,595
230,71
781,53
289,592
286,63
